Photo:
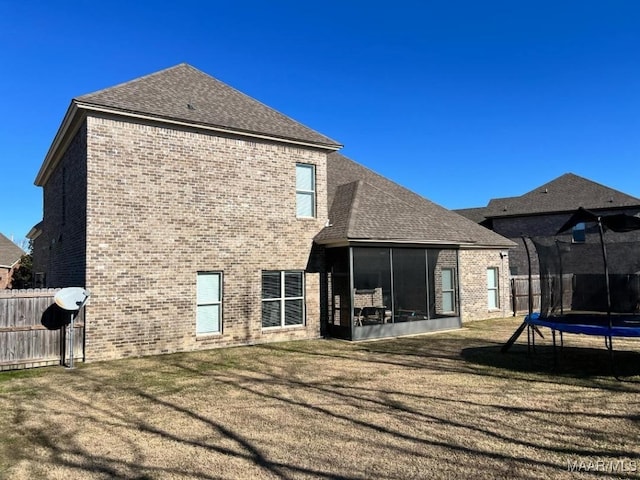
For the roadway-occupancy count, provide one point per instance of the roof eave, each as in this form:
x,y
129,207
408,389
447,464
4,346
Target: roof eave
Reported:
x,y
343,242
12,265
34,233
72,120
78,110
556,212
215,128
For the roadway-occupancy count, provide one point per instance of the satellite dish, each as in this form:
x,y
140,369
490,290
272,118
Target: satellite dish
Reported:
x,y
71,298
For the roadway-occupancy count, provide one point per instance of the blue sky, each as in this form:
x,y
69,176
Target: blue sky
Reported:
x,y
461,101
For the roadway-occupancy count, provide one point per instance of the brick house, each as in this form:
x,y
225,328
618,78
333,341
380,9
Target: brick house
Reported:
x,y
10,255
545,209
199,217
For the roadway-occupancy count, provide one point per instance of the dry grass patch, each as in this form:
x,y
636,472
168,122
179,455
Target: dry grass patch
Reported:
x,y
447,405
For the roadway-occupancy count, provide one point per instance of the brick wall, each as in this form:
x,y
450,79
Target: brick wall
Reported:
x,y
542,225
473,284
163,204
60,249
5,277
445,259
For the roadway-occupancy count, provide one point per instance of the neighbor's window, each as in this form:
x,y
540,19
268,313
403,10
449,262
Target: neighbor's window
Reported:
x,y
282,298
579,233
305,190
493,291
448,290
209,302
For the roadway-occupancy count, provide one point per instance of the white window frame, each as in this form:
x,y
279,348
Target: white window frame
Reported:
x,y
283,299
218,302
493,292
451,290
305,192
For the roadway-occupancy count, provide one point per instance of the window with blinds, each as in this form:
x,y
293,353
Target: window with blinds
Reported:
x,y
282,299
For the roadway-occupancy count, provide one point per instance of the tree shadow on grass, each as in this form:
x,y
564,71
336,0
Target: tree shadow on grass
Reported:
x,y
371,417
578,362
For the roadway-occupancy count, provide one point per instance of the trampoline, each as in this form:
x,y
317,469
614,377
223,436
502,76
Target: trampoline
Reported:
x,y
589,325
589,286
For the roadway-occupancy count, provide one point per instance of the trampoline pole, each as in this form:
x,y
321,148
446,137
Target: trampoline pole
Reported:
x,y
608,287
606,270
526,247
561,279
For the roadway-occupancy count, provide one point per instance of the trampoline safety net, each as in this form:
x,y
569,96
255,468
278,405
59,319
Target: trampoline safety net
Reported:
x,y
590,278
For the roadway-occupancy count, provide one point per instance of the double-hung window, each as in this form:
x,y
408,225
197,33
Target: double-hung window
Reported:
x,y
282,298
448,290
209,303
493,290
305,190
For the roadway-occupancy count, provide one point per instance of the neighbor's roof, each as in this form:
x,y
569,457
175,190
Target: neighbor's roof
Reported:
x,y
10,253
564,194
187,94
475,214
366,206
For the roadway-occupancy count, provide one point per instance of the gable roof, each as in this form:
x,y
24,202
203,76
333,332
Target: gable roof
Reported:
x,y
187,94
566,193
366,206
10,253
184,96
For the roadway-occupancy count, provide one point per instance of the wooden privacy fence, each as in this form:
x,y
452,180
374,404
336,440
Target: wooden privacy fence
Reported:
x,y
520,293
33,330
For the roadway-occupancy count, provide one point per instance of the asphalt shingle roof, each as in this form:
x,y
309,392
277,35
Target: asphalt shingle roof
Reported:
x,y
475,214
368,206
186,94
10,253
563,194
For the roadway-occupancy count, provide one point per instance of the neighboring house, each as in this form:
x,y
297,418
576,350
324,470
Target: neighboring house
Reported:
x,y
545,209
199,217
10,255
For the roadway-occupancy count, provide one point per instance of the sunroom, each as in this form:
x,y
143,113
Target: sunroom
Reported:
x,y
387,291
393,259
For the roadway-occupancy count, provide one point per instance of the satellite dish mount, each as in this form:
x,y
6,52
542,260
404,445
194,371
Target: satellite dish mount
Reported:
x,y
72,299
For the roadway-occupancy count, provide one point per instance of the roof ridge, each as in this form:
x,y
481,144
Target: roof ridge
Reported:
x,y
386,179
390,194
210,102
354,203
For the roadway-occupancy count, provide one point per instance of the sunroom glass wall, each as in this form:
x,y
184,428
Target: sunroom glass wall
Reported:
x,y
372,296
424,285
409,284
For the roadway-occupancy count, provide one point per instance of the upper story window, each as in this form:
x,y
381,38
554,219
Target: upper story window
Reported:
x,y
305,190
579,233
